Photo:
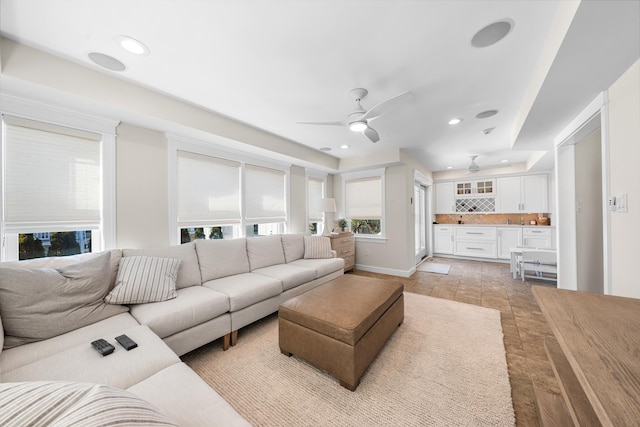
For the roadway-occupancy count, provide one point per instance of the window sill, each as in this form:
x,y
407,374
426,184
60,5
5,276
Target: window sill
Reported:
x,y
370,239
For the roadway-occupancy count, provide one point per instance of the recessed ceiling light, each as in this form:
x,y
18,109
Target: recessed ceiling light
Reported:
x,y
344,146
106,61
449,167
492,33
132,45
325,149
486,114
455,121
504,161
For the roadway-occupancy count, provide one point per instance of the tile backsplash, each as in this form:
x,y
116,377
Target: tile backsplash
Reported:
x,y
491,218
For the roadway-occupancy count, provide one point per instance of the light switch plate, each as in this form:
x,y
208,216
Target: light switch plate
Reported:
x,y
621,203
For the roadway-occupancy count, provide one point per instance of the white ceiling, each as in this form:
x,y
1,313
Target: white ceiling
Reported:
x,y
274,63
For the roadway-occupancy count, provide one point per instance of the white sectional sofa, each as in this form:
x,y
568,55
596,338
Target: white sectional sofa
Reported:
x,y
220,287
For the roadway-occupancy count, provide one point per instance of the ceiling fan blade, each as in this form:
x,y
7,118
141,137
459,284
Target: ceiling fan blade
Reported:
x,y
388,105
371,134
323,123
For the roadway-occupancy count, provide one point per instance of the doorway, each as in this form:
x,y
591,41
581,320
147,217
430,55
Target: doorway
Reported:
x,y
420,215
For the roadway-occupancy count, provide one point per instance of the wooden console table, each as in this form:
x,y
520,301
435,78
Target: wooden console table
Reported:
x,y
597,358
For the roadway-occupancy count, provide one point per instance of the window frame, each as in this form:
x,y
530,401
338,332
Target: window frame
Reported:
x,y
310,175
367,174
216,148
103,236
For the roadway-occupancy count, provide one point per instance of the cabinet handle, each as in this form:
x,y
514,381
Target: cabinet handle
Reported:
x,y
475,249
536,231
474,232
452,237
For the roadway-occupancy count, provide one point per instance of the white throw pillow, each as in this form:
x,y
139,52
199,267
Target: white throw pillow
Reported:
x,y
317,247
143,279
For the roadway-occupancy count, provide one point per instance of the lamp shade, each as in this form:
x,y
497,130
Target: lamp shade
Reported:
x,y
329,205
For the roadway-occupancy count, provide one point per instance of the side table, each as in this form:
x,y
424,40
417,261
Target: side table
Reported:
x,y
345,246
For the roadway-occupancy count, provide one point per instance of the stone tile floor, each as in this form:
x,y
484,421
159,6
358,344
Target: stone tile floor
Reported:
x,y
525,328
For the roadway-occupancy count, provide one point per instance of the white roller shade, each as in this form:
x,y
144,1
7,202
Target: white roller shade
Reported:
x,y
51,176
315,199
364,198
265,192
208,190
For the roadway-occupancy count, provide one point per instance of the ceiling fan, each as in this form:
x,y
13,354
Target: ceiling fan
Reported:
x,y
473,167
358,119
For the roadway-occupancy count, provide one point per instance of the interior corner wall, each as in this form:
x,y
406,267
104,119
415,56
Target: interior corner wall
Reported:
x,y
624,178
566,216
297,200
142,207
394,255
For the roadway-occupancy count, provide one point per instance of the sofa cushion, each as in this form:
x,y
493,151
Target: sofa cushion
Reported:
x,y
264,251
83,363
246,289
293,246
193,306
43,403
182,395
143,279
189,270
290,275
41,303
317,247
16,357
222,258
322,267
61,261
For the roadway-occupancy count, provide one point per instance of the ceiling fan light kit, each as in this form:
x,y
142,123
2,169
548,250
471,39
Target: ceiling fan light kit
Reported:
x,y
358,119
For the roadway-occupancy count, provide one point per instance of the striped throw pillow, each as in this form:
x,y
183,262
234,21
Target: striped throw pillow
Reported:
x,y
317,247
52,403
143,279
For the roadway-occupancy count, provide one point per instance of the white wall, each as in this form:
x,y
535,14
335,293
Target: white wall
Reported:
x,y
588,193
624,177
297,200
566,217
142,210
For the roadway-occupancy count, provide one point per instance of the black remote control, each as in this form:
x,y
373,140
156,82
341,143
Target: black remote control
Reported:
x,y
103,347
126,342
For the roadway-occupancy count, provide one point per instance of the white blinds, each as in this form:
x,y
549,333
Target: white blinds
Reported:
x,y
364,198
315,199
264,194
208,190
51,176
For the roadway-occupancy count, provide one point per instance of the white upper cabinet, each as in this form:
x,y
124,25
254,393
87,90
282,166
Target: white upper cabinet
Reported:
x,y
445,201
522,194
483,187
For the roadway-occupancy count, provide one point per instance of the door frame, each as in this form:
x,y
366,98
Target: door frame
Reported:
x,y
420,179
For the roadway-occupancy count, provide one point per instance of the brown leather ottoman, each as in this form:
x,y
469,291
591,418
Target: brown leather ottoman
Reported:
x,y
341,326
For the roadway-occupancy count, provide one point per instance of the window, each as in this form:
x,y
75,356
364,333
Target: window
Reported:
x,y
364,202
54,189
315,193
219,195
208,197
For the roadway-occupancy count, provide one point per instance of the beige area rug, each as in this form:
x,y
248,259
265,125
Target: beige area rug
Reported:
x,y
434,267
444,366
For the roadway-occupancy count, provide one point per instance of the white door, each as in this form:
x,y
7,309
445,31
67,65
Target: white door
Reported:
x,y
445,201
534,193
420,218
508,237
508,195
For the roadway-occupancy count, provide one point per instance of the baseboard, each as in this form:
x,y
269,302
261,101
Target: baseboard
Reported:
x,y
389,271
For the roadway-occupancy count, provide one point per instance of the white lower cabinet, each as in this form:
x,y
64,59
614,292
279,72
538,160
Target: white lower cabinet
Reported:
x,y
443,239
479,242
537,237
508,237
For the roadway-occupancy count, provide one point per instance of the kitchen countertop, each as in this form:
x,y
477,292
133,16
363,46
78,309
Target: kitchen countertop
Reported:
x,y
498,225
